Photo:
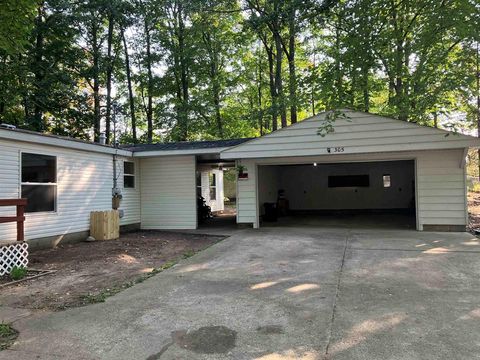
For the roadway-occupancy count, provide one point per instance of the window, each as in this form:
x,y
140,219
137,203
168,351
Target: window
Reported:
x,y
39,182
349,181
128,174
213,186
387,181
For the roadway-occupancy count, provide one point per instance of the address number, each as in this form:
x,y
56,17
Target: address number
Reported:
x,y
339,149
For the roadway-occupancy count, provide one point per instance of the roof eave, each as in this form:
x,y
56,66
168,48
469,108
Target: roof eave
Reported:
x,y
58,142
154,153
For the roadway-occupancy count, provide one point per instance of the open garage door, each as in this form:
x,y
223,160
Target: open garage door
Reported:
x,y
361,194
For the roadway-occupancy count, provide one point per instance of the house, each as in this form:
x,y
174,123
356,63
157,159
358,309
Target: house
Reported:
x,y
368,163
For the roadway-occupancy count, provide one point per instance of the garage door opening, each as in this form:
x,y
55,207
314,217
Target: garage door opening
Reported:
x,y
362,194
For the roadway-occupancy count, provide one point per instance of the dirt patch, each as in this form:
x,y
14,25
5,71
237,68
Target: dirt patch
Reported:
x,y
474,210
90,272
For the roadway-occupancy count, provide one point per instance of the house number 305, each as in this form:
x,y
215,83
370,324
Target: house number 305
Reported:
x,y
338,149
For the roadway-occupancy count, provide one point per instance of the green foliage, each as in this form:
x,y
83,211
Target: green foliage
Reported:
x,y
232,68
189,253
18,273
327,125
7,335
16,22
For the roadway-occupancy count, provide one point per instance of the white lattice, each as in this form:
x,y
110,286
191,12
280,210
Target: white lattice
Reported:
x,y
13,255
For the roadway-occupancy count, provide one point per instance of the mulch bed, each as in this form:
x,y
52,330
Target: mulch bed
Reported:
x,y
87,272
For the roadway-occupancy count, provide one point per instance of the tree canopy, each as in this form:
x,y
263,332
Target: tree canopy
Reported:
x,y
161,70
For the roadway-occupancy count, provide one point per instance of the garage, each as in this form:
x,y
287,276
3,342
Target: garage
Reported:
x,y
357,194
347,167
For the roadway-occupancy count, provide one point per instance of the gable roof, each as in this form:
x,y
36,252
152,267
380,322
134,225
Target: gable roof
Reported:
x,y
358,133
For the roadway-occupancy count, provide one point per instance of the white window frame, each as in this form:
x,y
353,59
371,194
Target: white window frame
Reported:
x,y
134,175
212,187
55,205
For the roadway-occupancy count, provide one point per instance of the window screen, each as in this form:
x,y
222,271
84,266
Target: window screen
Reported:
x,y
128,174
38,185
38,168
349,181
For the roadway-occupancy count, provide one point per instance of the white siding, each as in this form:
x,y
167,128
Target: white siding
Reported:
x,y
359,133
84,182
130,203
168,199
247,203
441,198
441,188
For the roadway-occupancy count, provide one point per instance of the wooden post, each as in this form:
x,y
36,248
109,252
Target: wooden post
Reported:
x,y
20,223
19,218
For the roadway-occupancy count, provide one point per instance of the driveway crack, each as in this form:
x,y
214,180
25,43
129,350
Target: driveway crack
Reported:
x,y
337,293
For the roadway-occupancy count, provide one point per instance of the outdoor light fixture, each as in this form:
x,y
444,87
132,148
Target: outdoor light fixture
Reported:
x,y
314,164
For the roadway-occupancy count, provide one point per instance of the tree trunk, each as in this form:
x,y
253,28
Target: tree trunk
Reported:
x,y
183,74
109,73
279,80
366,93
338,66
96,80
131,99
149,109
478,101
259,97
278,62
273,90
292,71
214,74
38,70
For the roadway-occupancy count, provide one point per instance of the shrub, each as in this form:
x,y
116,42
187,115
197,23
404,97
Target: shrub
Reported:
x,y
18,273
7,335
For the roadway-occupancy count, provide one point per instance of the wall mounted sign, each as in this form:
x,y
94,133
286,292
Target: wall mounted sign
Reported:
x,y
335,150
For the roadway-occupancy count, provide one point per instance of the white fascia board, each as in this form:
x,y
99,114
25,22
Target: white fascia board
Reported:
x,y
153,153
64,143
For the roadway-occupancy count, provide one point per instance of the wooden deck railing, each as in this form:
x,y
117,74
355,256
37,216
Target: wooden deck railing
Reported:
x,y
19,218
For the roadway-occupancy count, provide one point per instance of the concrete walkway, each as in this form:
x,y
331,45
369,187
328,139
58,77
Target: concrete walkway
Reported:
x,y
285,293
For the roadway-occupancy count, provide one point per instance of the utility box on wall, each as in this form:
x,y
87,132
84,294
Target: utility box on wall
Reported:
x,y
105,225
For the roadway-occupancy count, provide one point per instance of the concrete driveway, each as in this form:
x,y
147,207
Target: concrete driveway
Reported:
x,y
285,293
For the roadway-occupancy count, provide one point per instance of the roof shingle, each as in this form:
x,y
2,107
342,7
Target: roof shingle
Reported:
x,y
185,145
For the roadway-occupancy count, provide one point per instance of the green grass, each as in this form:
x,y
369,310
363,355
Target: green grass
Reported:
x,y
18,273
7,335
189,253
